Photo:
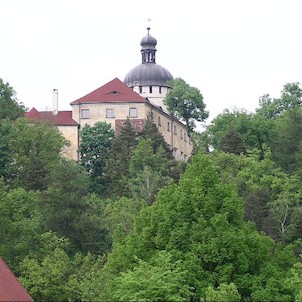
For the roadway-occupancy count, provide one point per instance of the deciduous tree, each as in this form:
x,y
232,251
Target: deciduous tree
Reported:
x,y
186,102
35,148
200,223
10,107
69,210
94,149
119,161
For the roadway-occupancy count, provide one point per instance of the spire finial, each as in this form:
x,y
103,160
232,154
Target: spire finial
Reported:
x,y
148,27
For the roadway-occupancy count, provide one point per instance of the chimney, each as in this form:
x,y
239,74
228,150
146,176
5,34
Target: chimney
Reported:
x,y
55,102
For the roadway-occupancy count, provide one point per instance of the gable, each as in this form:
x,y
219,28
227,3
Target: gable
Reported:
x,y
113,91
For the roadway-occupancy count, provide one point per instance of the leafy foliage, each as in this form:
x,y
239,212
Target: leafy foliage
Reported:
x,y
57,277
272,198
288,139
119,214
119,160
68,210
200,223
94,150
231,142
291,98
159,279
35,148
10,108
150,131
186,102
238,131
149,170
225,292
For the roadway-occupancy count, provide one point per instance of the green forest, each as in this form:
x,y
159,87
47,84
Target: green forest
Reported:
x,y
129,223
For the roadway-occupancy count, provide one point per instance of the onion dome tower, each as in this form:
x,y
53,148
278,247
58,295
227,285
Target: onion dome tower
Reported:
x,y
149,79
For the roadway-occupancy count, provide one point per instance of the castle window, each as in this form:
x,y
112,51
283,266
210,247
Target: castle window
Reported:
x,y
181,134
159,121
159,89
85,113
175,132
140,89
110,113
174,152
150,89
185,136
133,112
168,126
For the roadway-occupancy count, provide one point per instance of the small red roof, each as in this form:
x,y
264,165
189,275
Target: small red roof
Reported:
x,y
10,287
63,118
113,91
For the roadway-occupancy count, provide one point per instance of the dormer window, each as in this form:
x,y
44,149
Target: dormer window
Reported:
x,y
114,92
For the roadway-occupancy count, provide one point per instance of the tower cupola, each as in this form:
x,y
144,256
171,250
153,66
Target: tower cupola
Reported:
x,y
148,50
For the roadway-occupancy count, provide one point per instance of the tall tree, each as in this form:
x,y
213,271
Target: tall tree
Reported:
x,y
291,98
6,153
272,198
149,170
159,279
57,276
119,162
21,228
94,149
69,210
10,107
199,223
35,148
253,130
150,131
231,142
287,141
186,102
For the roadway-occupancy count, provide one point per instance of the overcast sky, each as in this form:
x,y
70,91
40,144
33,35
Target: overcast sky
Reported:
x,y
233,51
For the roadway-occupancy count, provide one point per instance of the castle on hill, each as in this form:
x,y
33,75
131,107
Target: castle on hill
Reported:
x,y
138,97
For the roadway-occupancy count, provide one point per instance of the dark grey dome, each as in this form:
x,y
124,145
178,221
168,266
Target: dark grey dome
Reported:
x,y
148,74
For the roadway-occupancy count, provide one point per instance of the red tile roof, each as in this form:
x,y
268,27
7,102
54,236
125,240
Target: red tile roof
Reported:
x,y
63,118
113,91
10,288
